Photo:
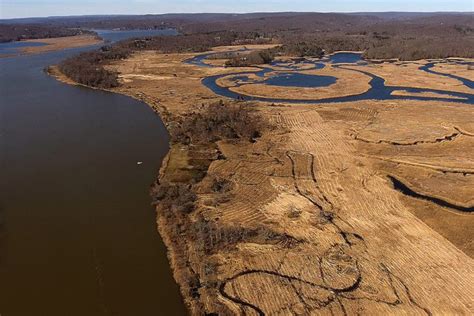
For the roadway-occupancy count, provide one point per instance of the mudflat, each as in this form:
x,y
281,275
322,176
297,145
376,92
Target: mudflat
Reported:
x,y
59,43
323,228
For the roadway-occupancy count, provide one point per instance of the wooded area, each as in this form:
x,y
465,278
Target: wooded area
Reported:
x,y
18,32
380,36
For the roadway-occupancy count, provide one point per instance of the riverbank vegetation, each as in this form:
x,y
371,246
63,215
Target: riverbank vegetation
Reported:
x,y
218,121
18,32
88,69
194,145
197,134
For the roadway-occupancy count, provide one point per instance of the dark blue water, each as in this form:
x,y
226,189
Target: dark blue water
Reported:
x,y
13,47
299,80
77,232
345,58
199,60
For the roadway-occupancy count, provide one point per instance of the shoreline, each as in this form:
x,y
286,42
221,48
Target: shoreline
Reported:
x,y
164,229
55,44
188,263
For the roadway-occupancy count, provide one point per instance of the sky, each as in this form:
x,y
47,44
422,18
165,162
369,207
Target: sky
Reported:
x,y
38,8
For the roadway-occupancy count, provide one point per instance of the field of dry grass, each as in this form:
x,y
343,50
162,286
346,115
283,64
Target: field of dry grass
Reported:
x,y
311,222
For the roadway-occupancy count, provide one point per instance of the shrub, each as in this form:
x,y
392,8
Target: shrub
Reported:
x,y
253,58
18,32
218,121
182,43
302,49
221,185
211,237
177,197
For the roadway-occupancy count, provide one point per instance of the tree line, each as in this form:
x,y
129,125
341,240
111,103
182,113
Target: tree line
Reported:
x,y
18,32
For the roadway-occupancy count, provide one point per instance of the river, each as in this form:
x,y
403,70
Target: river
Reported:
x,y
77,232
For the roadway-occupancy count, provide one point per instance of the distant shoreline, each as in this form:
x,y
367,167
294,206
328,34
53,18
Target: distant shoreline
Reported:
x,y
53,44
59,43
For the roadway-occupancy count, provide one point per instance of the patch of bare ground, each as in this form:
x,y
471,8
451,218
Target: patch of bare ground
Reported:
x,y
303,219
60,43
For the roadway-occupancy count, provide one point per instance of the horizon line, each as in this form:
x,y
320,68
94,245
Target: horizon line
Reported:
x,y
231,13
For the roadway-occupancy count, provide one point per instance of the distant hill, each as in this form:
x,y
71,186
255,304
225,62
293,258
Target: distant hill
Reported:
x,y
210,22
409,15
220,16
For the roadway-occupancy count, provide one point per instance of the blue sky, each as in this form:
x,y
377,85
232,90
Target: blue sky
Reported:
x,y
29,8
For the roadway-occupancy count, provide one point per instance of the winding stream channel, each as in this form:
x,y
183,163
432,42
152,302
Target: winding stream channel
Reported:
x,y
77,232
378,89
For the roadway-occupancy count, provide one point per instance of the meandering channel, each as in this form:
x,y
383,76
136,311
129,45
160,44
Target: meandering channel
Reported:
x,y
378,89
428,68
